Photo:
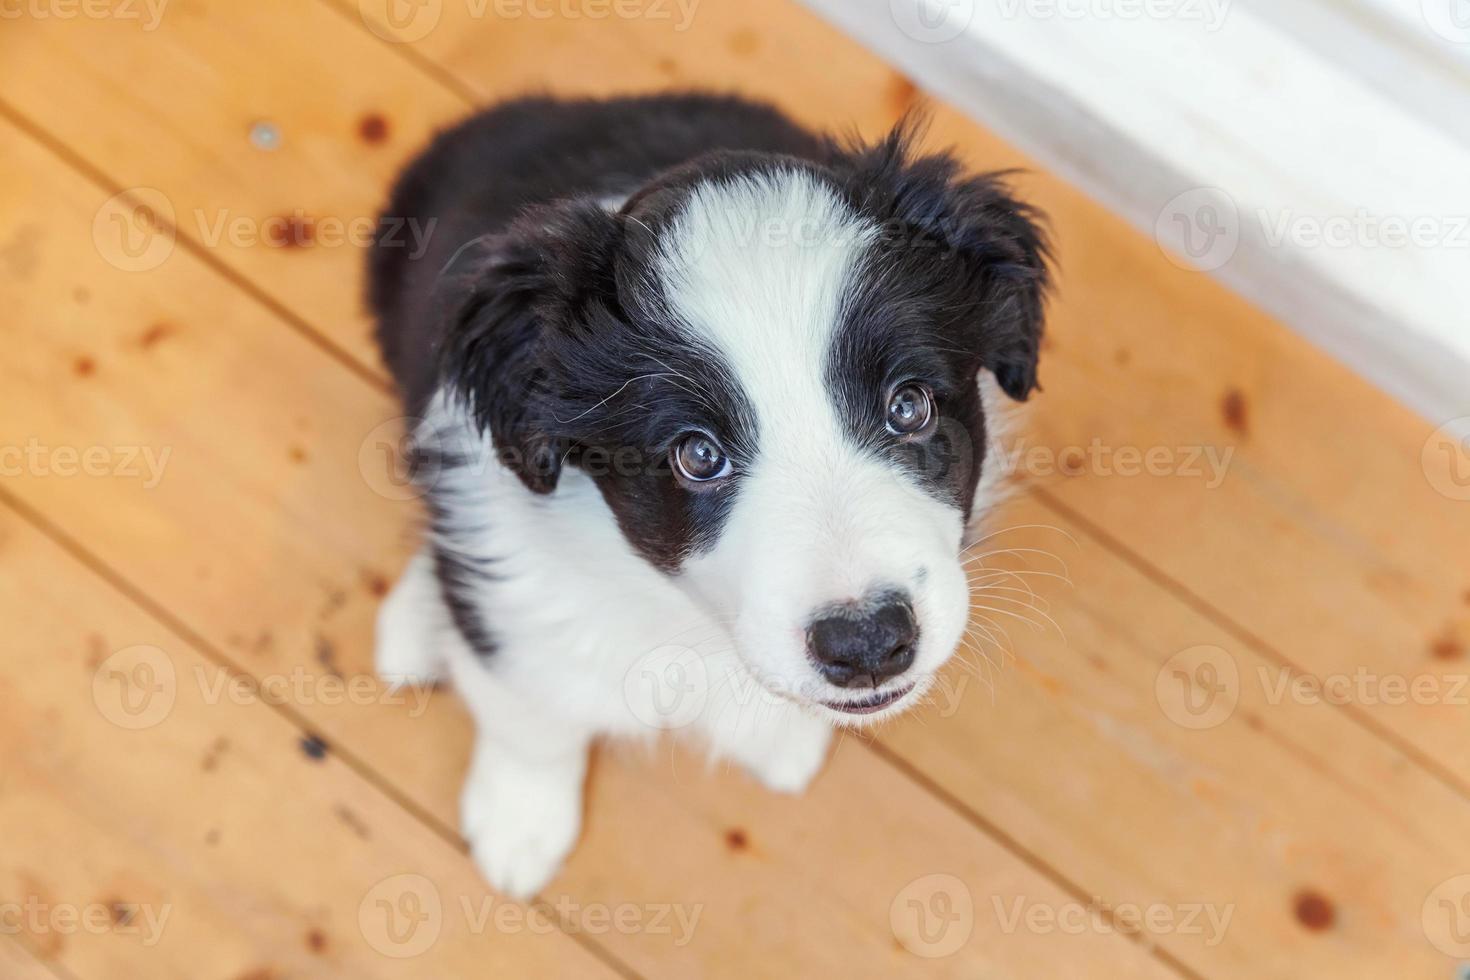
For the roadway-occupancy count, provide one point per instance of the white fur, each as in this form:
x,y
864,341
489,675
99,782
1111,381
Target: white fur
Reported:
x,y
591,640
586,635
760,268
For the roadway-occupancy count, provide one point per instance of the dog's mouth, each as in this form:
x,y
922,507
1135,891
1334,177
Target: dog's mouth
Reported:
x,y
871,704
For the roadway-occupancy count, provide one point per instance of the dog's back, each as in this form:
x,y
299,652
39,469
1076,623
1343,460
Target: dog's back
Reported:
x,y
475,177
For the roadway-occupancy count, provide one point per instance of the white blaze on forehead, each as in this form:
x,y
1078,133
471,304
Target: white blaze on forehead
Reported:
x,y
758,267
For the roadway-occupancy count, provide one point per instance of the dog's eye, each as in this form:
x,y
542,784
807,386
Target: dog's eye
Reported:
x,y
910,409
699,459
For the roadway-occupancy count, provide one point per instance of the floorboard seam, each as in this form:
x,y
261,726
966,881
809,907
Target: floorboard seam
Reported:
x,y
1202,607
373,376
209,651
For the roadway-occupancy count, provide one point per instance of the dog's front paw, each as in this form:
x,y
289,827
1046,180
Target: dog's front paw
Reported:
x,y
411,622
521,823
790,763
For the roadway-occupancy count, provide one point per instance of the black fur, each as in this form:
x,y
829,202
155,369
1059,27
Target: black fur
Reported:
x,y
543,309
956,285
475,178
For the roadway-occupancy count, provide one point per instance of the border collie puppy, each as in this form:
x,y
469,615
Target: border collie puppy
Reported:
x,y
700,420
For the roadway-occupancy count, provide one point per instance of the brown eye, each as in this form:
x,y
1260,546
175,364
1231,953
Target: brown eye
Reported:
x,y
699,459
910,409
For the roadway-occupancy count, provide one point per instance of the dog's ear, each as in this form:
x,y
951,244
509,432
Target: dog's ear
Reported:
x,y
506,301
992,251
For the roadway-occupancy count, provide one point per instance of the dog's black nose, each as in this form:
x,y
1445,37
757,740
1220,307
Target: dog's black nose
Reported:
x,y
866,646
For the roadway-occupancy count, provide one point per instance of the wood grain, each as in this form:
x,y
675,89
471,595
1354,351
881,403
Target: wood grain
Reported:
x,y
161,823
287,587
276,523
17,963
1127,368
1246,799
1143,356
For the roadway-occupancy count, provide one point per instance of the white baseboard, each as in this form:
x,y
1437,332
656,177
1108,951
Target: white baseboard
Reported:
x,y
1314,154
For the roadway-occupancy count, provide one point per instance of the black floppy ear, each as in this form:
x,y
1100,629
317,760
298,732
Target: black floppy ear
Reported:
x,y
993,249
1001,242
504,298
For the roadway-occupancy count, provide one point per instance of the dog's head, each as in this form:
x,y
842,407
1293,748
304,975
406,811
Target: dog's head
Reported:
x,y
772,368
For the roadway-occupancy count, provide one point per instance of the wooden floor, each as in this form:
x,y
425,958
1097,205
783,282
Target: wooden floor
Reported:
x,y
196,526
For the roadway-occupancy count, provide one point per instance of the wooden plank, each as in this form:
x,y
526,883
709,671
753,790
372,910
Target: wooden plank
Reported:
x,y
181,130
871,874
157,825
270,544
1129,369
1124,403
184,130
1327,540
16,963
1262,799
769,49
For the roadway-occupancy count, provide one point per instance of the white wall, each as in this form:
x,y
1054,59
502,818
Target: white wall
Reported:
x,y
1315,154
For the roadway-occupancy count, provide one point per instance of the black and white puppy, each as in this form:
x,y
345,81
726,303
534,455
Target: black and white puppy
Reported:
x,y
701,425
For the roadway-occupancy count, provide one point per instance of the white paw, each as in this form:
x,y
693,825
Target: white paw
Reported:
x,y
521,822
411,624
790,764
